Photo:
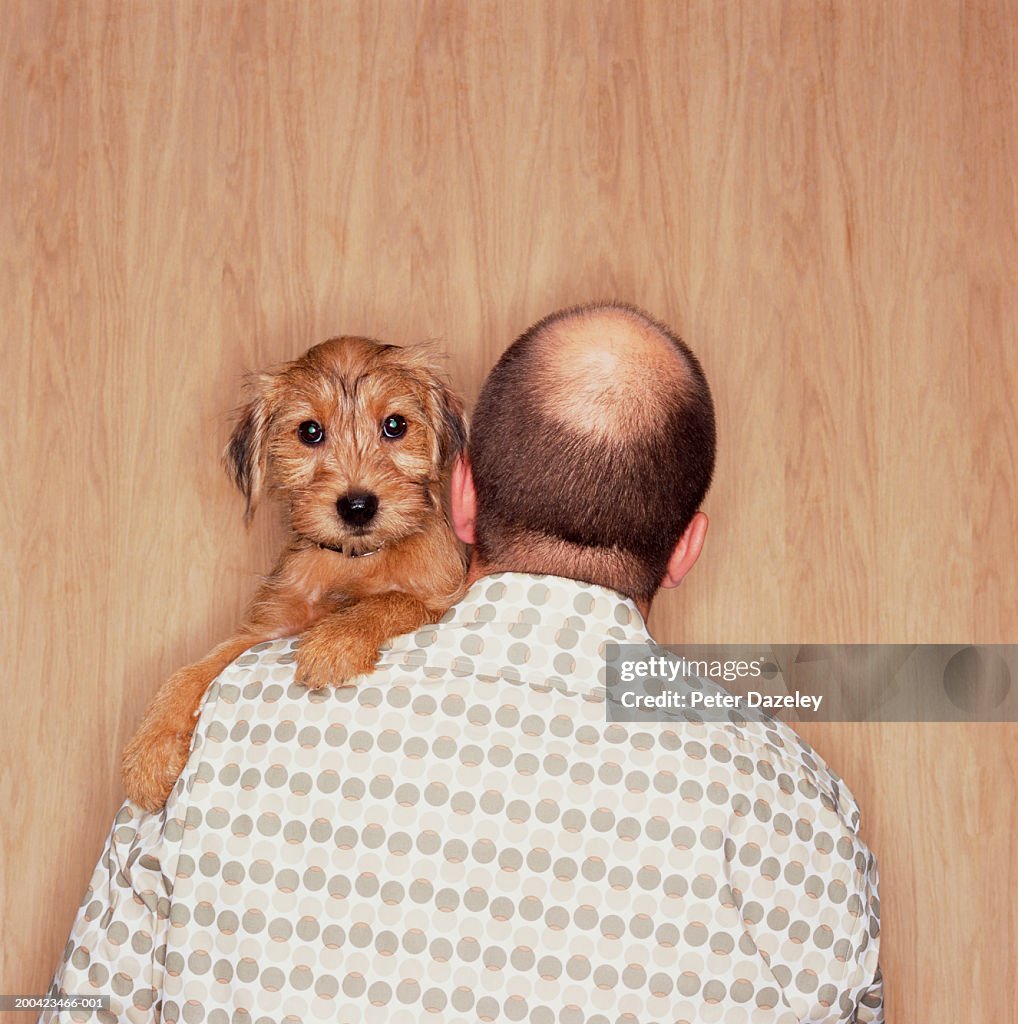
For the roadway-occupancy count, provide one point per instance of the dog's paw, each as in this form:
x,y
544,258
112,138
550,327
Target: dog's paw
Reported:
x,y
151,765
331,657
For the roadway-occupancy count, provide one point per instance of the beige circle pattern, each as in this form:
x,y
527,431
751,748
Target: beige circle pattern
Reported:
x,y
464,837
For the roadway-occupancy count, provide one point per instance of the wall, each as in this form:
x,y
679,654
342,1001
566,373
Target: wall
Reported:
x,y
819,197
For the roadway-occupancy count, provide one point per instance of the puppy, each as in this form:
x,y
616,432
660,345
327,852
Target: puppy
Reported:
x,y
356,438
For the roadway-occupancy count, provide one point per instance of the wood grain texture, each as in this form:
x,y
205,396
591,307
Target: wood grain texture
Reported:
x,y
820,197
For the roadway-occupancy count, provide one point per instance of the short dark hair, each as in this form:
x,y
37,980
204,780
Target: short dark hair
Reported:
x,y
612,506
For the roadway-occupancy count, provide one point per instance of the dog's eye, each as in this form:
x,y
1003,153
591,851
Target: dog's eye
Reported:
x,y
393,426
311,432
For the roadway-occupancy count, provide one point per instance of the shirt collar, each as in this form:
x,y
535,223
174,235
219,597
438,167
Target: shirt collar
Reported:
x,y
540,599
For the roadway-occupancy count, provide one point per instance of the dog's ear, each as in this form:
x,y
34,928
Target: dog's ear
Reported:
x,y
445,407
450,421
247,452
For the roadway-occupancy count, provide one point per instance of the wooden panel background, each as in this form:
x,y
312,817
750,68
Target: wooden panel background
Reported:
x,y
819,197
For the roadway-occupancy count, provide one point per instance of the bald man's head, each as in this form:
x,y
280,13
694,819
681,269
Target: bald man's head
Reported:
x,y
592,446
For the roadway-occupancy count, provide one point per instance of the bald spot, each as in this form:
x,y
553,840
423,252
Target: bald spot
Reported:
x,y
607,373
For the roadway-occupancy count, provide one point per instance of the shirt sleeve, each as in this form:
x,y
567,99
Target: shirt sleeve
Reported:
x,y
828,974
871,1003
115,944
807,890
118,942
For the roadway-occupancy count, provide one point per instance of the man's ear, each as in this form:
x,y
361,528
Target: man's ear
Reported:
x,y
686,552
247,452
463,500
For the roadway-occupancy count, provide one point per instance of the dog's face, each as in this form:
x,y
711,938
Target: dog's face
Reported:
x,y
355,436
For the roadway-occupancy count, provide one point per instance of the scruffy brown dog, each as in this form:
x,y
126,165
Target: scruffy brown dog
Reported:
x,y
356,437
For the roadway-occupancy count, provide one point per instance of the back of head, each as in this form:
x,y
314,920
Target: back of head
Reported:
x,y
592,446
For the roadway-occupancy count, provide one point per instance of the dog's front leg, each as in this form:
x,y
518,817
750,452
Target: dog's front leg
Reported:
x,y
345,644
158,752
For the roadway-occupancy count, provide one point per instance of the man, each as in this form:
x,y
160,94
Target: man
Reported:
x,y
463,836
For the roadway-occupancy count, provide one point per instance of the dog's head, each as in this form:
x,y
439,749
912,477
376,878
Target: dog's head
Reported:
x,y
356,436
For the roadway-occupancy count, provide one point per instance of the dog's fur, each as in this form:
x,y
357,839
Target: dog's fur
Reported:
x,y
346,588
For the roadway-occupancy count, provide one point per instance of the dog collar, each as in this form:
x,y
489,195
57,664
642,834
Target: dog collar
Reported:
x,y
352,554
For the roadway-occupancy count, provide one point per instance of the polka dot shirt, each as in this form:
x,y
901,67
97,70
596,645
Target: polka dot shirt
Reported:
x,y
463,836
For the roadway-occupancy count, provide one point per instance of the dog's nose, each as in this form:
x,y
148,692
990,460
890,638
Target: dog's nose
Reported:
x,y
357,509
